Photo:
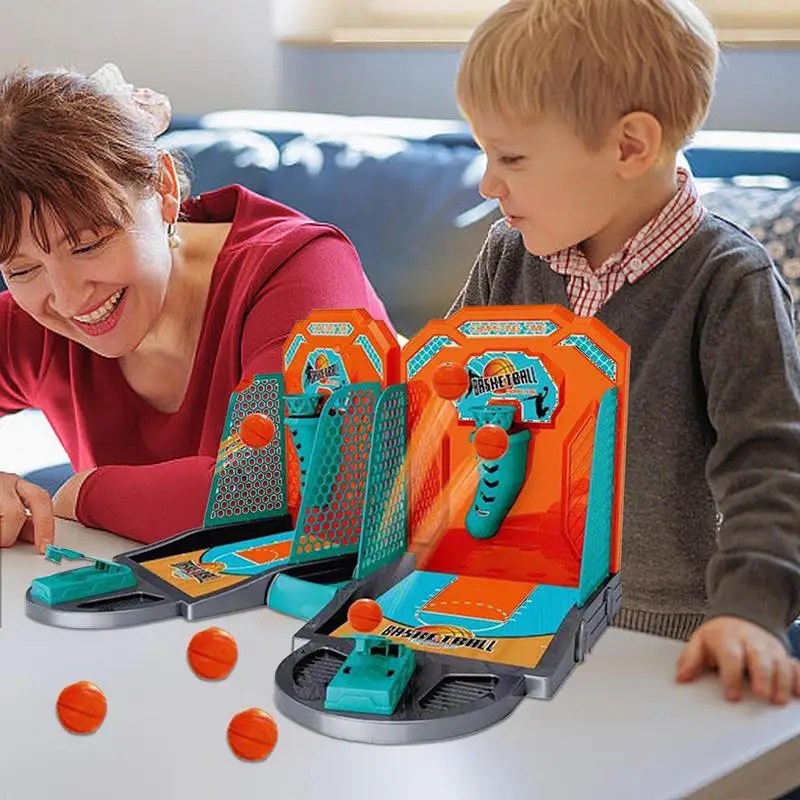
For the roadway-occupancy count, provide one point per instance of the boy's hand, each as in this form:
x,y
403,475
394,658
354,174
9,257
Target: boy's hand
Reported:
x,y
740,650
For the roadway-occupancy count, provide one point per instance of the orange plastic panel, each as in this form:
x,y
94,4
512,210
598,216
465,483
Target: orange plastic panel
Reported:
x,y
328,349
554,368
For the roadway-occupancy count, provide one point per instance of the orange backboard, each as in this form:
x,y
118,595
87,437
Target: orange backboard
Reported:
x,y
554,368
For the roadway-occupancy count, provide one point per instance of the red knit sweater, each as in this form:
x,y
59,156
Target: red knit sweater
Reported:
x,y
154,469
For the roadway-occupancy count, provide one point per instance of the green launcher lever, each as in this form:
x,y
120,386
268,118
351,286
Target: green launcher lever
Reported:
x,y
79,584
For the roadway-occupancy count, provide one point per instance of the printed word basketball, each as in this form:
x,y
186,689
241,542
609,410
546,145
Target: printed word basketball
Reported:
x,y
81,707
450,381
252,734
364,615
212,654
491,442
256,430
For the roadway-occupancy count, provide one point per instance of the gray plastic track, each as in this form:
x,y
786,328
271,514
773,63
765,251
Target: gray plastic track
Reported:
x,y
447,696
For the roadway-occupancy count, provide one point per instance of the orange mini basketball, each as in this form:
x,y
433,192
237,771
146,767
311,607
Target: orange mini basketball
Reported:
x,y
364,615
252,734
212,654
490,442
81,707
256,430
450,381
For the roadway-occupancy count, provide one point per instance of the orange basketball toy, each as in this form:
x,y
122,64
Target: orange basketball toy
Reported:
x,y
252,734
212,654
450,381
81,707
364,615
491,442
257,430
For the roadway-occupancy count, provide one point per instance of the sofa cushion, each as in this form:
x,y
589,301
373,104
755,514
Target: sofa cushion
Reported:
x,y
219,158
770,210
411,208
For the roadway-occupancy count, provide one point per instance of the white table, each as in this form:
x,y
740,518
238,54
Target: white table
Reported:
x,y
619,728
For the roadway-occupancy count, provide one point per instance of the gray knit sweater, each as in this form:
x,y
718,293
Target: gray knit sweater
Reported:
x,y
712,483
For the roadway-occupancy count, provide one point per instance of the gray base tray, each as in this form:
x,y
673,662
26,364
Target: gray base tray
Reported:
x,y
447,696
153,599
145,604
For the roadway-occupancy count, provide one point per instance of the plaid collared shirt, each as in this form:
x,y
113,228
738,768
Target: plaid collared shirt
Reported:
x,y
589,289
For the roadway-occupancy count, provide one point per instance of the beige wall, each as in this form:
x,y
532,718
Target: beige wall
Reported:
x,y
203,54
223,55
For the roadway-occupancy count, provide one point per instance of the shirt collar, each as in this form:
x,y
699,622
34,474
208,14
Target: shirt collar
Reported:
x,y
659,237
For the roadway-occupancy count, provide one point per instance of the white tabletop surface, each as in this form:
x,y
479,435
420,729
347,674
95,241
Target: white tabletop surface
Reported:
x,y
619,728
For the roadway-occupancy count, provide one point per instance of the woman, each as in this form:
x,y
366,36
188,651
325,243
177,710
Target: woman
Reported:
x,y
131,313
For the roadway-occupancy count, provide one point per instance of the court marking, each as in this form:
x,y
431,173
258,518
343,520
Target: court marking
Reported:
x,y
521,610
234,556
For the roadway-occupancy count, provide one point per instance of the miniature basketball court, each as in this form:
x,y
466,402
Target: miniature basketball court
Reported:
x,y
468,487
516,448
280,458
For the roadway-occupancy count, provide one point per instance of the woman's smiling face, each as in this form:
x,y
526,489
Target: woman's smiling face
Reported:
x,y
104,291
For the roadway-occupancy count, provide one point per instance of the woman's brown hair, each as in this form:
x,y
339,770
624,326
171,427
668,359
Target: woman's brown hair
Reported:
x,y
73,152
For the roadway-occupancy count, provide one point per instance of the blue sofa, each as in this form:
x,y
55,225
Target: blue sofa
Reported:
x,y
406,192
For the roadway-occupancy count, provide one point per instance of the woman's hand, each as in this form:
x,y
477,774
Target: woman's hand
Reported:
x,y
65,500
26,512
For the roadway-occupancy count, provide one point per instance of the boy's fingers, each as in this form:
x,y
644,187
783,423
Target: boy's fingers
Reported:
x,y
782,681
38,502
731,663
691,660
760,667
796,673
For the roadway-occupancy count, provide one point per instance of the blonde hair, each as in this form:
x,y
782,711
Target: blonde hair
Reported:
x,y
590,62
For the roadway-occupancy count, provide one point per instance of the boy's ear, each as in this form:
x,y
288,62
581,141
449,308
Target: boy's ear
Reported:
x,y
639,138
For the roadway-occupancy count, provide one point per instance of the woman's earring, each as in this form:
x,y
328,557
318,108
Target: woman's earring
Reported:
x,y
173,240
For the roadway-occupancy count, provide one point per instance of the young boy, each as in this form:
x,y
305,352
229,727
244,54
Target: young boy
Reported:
x,y
581,107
